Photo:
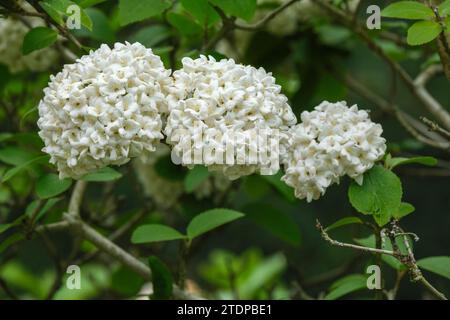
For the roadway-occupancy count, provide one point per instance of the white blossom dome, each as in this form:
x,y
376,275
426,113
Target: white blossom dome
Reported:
x,y
103,109
333,140
12,33
223,98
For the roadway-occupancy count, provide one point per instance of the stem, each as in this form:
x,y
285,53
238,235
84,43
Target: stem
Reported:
x,y
409,259
73,220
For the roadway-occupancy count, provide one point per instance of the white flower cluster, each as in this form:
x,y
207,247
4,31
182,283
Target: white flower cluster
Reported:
x,y
223,97
12,32
166,192
103,109
332,141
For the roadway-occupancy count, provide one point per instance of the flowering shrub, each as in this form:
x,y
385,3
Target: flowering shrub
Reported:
x,y
212,103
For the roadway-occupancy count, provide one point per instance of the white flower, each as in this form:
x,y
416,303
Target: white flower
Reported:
x,y
103,109
211,101
333,140
12,32
166,192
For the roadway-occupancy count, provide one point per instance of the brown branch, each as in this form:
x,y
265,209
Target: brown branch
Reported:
x,y
435,127
414,127
417,90
407,259
106,245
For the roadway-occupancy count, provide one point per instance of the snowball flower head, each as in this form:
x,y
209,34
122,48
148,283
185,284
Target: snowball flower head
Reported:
x,y
333,140
223,98
12,32
103,109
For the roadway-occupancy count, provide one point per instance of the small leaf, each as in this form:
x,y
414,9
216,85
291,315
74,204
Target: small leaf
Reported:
x,y
380,194
88,3
38,38
343,222
6,226
275,221
202,11
391,163
136,10
59,10
15,156
12,172
211,219
102,175
49,186
422,32
101,29
439,265
346,285
155,233
444,8
6,243
151,36
403,210
161,278
195,177
244,9
407,10
45,208
185,25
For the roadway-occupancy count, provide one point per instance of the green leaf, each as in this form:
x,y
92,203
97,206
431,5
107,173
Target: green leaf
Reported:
x,y
12,172
15,156
211,219
38,38
136,10
403,210
101,30
6,243
444,8
407,10
422,32
58,11
4,136
262,274
162,279
275,221
244,9
439,265
380,194
151,35
202,11
346,285
6,226
45,208
49,186
185,25
195,177
155,233
286,191
102,175
126,282
88,3
343,222
391,163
